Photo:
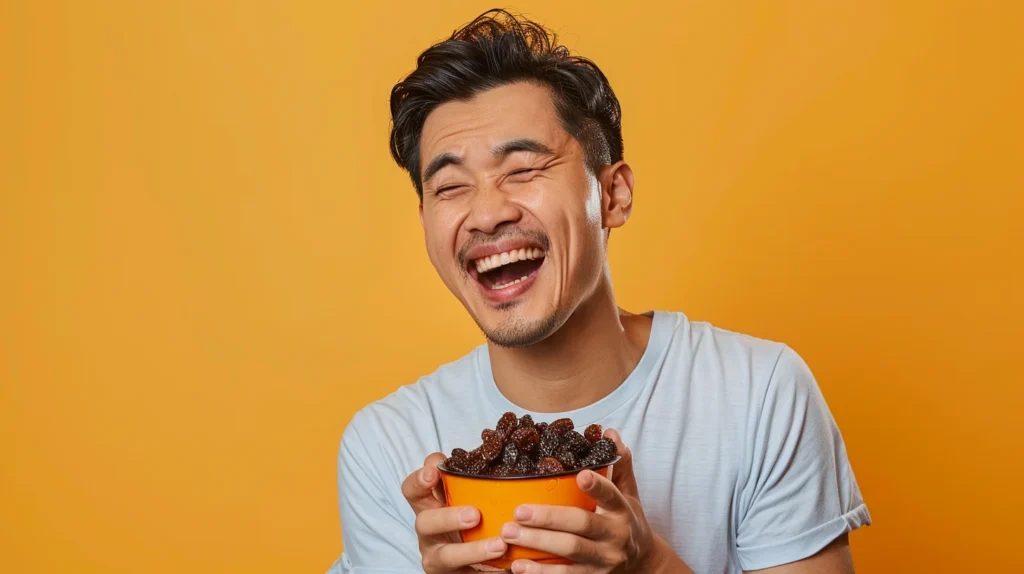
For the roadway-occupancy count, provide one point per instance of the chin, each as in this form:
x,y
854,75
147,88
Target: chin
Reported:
x,y
509,326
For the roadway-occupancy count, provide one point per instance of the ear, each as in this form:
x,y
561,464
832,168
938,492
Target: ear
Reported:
x,y
616,194
421,214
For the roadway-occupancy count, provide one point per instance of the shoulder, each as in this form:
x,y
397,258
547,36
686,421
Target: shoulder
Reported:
x,y
712,347
403,426
745,371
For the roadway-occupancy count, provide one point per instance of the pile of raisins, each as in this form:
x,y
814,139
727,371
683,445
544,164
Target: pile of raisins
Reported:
x,y
520,447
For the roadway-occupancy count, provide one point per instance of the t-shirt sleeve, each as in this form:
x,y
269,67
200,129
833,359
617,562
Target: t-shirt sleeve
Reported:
x,y
800,493
376,536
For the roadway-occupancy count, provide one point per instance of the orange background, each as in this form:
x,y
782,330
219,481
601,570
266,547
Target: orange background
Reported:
x,y
209,262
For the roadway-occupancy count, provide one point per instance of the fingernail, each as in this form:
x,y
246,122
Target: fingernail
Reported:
x,y
468,515
586,478
518,567
524,513
509,530
427,475
495,545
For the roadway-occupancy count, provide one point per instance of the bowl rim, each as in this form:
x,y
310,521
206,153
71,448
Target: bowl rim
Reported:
x,y
444,470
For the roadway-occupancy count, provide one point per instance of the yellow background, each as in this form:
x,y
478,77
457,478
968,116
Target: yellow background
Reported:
x,y
209,262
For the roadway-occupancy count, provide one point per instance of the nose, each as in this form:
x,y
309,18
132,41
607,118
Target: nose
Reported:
x,y
490,209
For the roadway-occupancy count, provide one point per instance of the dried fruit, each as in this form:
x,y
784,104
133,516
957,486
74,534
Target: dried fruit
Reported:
x,y
477,464
520,447
457,461
560,427
508,458
492,448
575,442
506,425
567,457
601,452
549,465
501,470
549,443
525,465
526,438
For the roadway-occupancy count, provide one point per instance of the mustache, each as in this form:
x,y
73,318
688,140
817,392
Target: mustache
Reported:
x,y
477,239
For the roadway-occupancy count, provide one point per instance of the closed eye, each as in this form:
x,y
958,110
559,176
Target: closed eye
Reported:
x,y
449,189
522,175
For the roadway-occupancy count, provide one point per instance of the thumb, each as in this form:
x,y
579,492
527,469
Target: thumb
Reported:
x,y
622,472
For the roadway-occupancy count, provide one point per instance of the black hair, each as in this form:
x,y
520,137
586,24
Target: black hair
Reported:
x,y
495,49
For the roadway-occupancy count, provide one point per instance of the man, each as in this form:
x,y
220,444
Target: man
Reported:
x,y
734,462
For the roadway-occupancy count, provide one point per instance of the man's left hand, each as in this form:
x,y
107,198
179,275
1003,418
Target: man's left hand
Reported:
x,y
614,539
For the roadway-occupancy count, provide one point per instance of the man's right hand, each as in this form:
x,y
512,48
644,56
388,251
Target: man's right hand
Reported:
x,y
437,525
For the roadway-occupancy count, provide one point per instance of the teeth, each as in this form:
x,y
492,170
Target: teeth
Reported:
x,y
485,264
502,286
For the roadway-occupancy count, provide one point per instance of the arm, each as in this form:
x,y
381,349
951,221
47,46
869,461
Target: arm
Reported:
x,y
833,559
377,536
800,499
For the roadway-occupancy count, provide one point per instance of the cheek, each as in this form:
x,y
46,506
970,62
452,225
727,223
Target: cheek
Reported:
x,y
439,231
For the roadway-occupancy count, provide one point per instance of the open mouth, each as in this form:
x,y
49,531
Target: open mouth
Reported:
x,y
503,270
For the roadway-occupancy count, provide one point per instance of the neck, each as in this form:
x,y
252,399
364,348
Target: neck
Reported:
x,y
581,363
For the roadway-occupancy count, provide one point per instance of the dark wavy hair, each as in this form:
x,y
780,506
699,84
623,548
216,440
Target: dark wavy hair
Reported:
x,y
495,49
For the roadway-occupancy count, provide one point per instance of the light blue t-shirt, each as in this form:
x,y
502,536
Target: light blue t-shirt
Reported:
x,y
739,463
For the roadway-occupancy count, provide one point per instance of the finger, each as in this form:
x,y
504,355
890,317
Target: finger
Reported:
x,y
418,487
459,555
432,461
622,472
561,544
531,567
565,519
602,490
438,521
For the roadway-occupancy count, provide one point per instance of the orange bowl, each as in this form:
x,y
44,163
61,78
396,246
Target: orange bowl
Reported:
x,y
496,497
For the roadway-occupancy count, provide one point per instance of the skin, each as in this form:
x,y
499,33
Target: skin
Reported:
x,y
558,344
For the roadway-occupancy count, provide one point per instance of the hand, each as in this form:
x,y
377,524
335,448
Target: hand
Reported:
x,y
437,525
614,539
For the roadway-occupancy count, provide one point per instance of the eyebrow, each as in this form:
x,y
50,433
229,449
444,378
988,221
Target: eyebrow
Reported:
x,y
522,144
501,150
438,163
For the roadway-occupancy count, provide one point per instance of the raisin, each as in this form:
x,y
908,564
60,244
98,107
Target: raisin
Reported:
x,y
486,434
541,427
593,433
575,442
506,425
526,438
492,448
601,452
525,465
567,457
458,461
476,463
549,443
525,421
560,427
549,465
501,470
508,458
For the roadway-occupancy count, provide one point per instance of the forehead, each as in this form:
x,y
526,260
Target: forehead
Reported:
x,y
519,110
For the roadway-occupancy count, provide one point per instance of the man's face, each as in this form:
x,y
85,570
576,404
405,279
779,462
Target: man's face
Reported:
x,y
511,215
